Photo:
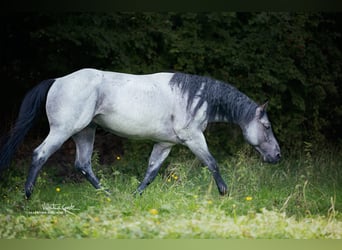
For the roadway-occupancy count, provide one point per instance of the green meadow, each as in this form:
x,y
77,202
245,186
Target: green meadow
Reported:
x,y
299,198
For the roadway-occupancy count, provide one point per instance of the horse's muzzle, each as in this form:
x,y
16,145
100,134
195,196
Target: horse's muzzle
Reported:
x,y
272,159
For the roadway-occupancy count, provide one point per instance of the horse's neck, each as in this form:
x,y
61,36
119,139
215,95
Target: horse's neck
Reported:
x,y
239,111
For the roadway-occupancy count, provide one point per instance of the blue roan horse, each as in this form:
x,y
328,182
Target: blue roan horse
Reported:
x,y
168,108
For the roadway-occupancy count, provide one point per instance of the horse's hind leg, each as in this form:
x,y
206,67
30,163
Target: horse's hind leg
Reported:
x,y
40,155
84,141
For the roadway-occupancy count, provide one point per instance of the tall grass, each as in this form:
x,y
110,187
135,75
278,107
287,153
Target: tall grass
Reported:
x,y
301,197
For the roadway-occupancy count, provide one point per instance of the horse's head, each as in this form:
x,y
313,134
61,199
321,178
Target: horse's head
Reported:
x,y
258,132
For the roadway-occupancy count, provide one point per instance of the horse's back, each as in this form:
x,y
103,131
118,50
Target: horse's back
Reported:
x,y
127,104
96,90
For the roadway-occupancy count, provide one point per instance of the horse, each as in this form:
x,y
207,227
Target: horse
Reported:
x,y
167,108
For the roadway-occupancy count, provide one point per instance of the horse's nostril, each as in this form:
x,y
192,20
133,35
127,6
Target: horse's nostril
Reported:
x,y
278,156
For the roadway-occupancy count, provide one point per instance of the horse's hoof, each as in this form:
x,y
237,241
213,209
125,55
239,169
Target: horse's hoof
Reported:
x,y
137,193
27,194
103,190
223,191
28,191
107,192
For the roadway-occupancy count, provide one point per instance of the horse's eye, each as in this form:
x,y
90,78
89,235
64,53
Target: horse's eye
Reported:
x,y
267,125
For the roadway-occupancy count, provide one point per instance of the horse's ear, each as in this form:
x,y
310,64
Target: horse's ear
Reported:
x,y
264,106
260,111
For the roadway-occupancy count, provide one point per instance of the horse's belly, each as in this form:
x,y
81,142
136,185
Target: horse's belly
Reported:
x,y
137,107
133,127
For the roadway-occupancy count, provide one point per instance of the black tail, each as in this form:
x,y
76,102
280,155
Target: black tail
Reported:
x,y
29,110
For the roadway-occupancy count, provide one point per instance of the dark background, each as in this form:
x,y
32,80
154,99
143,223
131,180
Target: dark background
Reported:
x,y
291,58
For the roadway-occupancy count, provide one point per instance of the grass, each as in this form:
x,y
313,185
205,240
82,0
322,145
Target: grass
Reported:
x,y
300,198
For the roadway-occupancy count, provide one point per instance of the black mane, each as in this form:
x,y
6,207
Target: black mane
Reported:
x,y
225,102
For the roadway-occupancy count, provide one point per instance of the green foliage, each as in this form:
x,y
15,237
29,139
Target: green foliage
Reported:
x,y
291,58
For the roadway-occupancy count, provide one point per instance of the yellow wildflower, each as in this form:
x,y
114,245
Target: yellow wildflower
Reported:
x,y
58,189
249,198
174,176
153,211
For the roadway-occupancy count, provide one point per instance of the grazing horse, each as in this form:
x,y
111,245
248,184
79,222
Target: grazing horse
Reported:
x,y
168,108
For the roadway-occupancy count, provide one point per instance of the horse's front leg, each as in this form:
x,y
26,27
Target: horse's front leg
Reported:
x,y
198,146
159,154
